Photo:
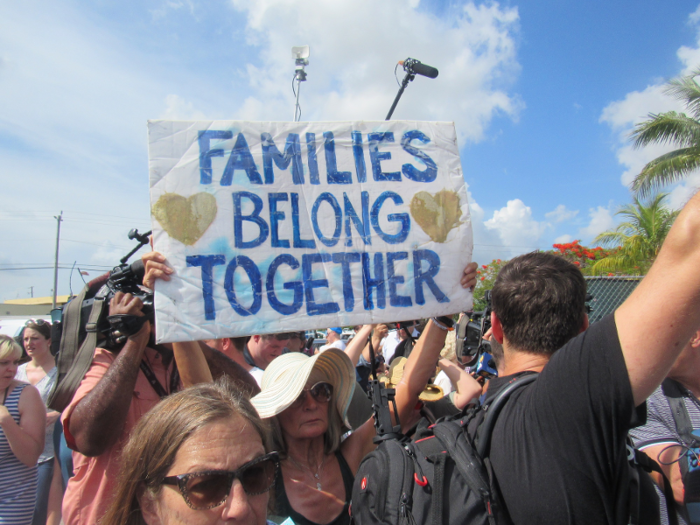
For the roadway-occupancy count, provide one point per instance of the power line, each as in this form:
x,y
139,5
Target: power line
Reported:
x,y
60,267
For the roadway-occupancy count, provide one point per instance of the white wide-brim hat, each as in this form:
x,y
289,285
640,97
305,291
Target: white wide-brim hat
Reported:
x,y
287,375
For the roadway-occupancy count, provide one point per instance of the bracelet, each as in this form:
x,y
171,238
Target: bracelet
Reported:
x,y
444,323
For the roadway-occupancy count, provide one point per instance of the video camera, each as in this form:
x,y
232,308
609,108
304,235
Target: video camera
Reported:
x,y
126,278
471,348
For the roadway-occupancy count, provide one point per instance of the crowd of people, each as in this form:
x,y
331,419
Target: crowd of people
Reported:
x,y
262,429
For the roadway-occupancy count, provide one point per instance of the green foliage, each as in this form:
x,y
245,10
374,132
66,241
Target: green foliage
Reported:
x,y
486,276
639,237
673,128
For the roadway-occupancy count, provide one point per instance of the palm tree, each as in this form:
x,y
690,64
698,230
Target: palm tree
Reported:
x,y
639,237
671,128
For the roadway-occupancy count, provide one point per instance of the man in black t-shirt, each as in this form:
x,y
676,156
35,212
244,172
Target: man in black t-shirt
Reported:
x,y
559,445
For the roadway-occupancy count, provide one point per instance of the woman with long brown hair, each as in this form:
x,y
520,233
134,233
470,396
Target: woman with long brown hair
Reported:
x,y
200,457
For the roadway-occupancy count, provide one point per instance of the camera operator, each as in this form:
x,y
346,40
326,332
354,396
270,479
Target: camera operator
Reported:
x,y
558,447
117,391
667,442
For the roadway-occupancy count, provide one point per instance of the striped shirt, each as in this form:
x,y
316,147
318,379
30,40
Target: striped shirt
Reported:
x,y
17,481
660,429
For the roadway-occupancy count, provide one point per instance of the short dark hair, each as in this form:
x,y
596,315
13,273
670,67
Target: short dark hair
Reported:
x,y
540,300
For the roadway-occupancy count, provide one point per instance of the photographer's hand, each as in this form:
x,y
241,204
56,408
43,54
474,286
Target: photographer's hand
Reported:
x,y
156,268
97,421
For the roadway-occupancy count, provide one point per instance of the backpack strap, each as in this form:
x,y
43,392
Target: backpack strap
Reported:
x,y
494,408
466,461
438,489
649,465
674,394
73,362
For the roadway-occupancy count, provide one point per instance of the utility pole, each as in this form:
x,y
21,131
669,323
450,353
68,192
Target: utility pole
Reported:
x,y
31,291
55,264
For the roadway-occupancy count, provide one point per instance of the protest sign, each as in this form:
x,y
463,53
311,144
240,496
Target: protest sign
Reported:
x,y
285,226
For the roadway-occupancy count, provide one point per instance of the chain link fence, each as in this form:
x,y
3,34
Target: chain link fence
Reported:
x,y
609,293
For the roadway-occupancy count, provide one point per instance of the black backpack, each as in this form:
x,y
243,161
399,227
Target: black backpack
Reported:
x,y
441,475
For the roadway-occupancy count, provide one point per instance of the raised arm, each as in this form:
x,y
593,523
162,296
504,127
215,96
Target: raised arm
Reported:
x,y
357,344
98,419
191,363
660,316
419,368
26,440
420,365
378,334
218,364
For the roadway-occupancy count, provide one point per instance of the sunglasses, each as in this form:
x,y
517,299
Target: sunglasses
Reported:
x,y
322,392
209,489
37,322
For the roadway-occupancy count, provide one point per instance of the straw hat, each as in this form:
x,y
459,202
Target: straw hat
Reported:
x,y
287,375
430,393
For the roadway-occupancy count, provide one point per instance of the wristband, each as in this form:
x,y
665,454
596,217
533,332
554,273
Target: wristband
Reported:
x,y
444,323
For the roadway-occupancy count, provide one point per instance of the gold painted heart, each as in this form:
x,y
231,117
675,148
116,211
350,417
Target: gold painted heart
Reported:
x,y
436,214
185,219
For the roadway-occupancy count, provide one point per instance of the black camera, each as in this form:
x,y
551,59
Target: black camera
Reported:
x,y
126,278
470,332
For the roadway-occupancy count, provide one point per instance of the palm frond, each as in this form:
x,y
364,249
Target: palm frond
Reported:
x,y
667,128
610,239
686,90
639,237
666,169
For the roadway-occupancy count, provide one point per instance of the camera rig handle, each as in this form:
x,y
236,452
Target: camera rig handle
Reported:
x,y
143,239
381,397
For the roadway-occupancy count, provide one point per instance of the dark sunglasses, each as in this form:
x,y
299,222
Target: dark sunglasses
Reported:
x,y
209,489
321,392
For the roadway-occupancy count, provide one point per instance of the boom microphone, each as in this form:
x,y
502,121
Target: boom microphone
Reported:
x,y
414,66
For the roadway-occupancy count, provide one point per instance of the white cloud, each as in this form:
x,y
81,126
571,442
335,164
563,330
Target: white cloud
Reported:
x,y
601,220
176,108
635,107
516,228
561,214
351,78
79,88
683,191
563,239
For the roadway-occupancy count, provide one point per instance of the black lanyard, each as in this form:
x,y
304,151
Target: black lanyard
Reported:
x,y
151,376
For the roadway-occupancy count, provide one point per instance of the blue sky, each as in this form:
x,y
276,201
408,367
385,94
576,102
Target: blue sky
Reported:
x,y
543,94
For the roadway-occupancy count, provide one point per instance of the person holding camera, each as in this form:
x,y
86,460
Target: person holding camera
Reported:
x,y
673,415
118,389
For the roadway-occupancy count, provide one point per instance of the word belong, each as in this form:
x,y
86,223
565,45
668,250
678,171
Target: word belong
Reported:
x,y
352,219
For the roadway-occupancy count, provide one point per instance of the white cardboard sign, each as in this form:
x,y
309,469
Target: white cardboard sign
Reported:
x,y
286,226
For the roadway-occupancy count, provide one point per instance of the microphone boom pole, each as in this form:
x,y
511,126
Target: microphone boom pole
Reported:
x,y
412,67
